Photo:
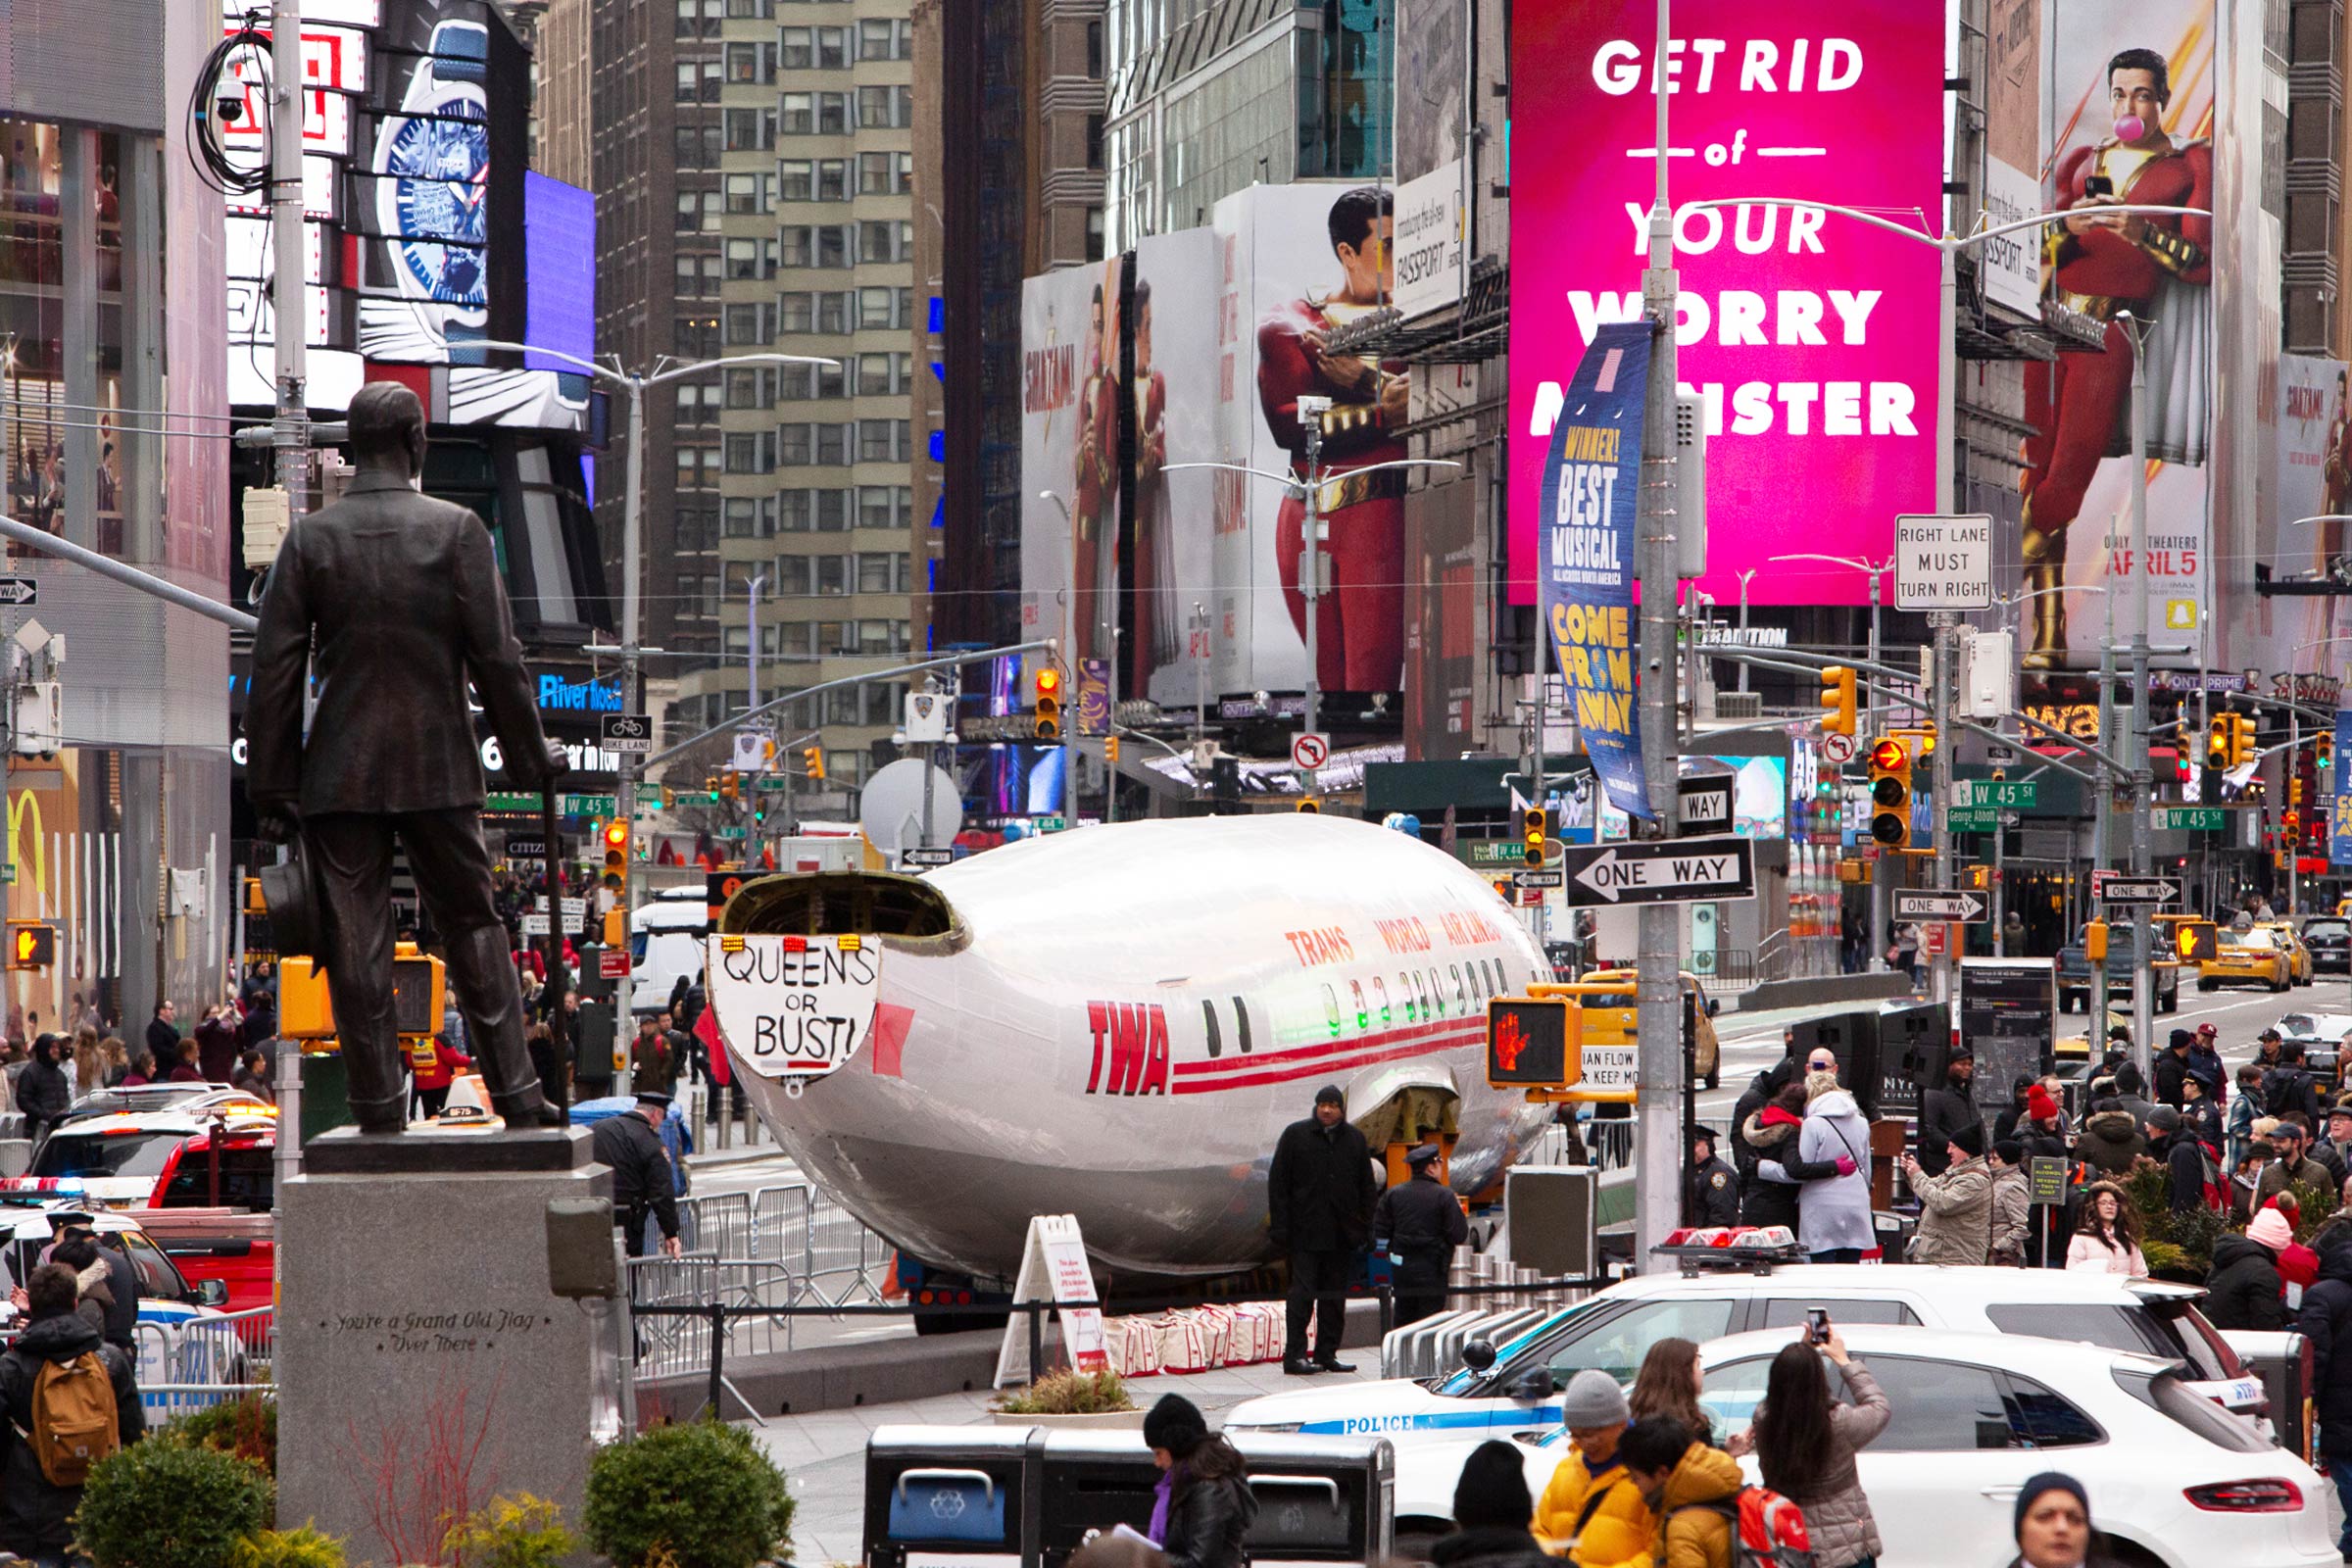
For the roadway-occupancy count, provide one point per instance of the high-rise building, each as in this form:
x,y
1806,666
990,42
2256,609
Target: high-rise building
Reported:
x,y
802,246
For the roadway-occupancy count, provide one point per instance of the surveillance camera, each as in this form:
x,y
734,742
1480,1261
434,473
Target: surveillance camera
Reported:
x,y
229,110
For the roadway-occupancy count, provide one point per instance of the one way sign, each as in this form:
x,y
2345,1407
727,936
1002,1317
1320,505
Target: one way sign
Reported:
x,y
1670,872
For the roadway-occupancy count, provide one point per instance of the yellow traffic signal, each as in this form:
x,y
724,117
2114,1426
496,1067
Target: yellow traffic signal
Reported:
x,y
1536,844
2323,752
1890,793
730,785
1048,690
2295,792
1837,701
670,798
2094,942
1309,804
813,758
617,928
2242,745
31,945
616,848
2216,742
1111,747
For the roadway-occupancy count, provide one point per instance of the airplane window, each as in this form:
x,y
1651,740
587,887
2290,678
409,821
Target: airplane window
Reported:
x,y
1209,1015
1461,995
1379,989
1405,991
1437,988
1241,1024
1422,988
1330,1010
1363,1013
1497,982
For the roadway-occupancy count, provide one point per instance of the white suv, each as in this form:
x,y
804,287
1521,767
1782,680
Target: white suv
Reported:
x,y
1615,1328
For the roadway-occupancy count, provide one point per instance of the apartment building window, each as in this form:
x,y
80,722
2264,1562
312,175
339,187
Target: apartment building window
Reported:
x,y
688,76
874,572
698,466
832,48
795,445
743,63
698,405
742,194
695,337
833,179
833,312
743,516
743,260
876,378
713,80
832,576
792,577
833,245
689,280
832,511
750,131
1093,141
874,307
742,326
1094,233
881,440
798,117
793,511
796,180
687,26
832,114
833,445
1093,50
761,10
879,39
794,640
883,108
883,505
798,48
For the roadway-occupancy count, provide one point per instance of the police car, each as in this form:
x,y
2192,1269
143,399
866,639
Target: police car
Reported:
x,y
129,1158
183,1338
1516,1388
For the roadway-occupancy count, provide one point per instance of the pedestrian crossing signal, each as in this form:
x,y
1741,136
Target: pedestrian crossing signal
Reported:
x,y
31,945
1528,1045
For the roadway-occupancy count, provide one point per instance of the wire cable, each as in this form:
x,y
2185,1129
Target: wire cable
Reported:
x,y
206,150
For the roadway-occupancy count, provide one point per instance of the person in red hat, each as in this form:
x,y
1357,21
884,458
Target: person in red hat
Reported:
x,y
2041,1135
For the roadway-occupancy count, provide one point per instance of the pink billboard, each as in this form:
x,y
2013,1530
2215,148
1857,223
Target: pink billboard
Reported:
x,y
1811,338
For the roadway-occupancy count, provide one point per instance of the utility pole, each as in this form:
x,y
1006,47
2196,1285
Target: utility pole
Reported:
x,y
1658,1133
1945,639
2143,773
290,436
1312,410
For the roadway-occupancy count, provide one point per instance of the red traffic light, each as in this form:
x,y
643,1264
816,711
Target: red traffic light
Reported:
x,y
1889,755
1049,680
617,835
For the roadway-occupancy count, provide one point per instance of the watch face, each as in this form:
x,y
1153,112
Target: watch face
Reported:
x,y
439,170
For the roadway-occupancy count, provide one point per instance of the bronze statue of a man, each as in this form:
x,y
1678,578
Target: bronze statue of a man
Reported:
x,y
399,596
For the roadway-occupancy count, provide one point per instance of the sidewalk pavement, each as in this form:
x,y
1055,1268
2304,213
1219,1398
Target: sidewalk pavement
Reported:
x,y
823,1454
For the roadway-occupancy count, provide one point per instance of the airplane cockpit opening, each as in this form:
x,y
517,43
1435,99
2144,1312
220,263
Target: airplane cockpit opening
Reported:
x,y
837,903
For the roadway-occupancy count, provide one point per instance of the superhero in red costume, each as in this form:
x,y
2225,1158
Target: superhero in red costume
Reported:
x,y
1361,618
1154,531
2098,266
1095,484
2337,478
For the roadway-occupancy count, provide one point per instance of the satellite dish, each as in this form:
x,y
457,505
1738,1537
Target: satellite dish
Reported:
x,y
891,808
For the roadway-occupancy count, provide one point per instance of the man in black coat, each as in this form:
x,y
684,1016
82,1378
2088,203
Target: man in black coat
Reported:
x,y
1710,1187
395,601
2326,1320
36,1516
1319,1201
121,1282
43,1092
2171,1067
1753,1099
642,1181
1418,1224
2173,1140
1944,1111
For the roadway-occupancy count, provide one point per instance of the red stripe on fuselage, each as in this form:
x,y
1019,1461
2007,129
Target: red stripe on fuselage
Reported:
x,y
1275,1058
1340,1058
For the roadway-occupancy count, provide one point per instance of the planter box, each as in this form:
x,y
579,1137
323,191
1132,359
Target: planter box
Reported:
x,y
1101,1421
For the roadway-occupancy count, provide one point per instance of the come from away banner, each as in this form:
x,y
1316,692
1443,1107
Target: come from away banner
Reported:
x,y
1584,573
2339,818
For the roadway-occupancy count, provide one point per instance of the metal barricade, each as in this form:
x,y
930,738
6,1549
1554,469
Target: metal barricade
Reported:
x,y
780,1226
196,1363
720,1225
845,1258
668,1346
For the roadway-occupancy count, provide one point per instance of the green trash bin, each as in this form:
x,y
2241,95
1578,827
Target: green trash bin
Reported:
x,y
326,1094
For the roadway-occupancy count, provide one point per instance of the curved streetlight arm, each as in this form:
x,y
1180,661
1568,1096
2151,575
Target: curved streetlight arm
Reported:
x,y
1950,242
732,361
1290,481
602,372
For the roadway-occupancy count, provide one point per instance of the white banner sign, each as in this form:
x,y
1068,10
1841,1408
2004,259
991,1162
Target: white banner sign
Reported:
x,y
792,1007
1429,241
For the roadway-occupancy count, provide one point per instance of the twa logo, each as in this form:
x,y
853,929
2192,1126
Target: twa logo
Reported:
x,y
1132,1039
1510,1043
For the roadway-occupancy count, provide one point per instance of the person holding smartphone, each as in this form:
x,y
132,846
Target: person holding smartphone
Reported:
x,y
1805,1441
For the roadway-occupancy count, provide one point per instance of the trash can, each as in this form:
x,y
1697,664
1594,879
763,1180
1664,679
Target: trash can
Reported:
x,y
949,1495
2283,1361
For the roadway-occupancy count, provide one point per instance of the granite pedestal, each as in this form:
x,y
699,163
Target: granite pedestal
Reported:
x,y
422,1363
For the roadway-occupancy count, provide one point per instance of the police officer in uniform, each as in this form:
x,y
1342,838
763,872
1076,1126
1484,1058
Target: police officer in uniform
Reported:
x,y
1418,1225
1712,1192
631,1146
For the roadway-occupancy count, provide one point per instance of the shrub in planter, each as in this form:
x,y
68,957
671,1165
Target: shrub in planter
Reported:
x,y
1068,1392
697,1495
307,1547
518,1532
171,1505
246,1428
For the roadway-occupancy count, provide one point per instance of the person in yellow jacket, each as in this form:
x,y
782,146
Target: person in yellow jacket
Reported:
x,y
1592,1513
1680,1478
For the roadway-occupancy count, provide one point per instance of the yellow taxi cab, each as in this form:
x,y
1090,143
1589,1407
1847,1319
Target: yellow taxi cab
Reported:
x,y
1706,1049
2242,955
2298,956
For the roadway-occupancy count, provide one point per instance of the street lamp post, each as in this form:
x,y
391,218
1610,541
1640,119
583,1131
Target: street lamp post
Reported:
x,y
634,383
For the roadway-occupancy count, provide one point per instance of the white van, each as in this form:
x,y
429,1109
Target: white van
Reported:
x,y
665,941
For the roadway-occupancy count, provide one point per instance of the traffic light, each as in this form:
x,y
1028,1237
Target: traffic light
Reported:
x,y
2294,793
2193,940
1048,706
1837,701
2290,828
2094,942
616,848
2242,746
2216,742
2323,750
670,798
31,945
711,787
1537,847
813,758
1890,793
730,785
1309,804
1111,747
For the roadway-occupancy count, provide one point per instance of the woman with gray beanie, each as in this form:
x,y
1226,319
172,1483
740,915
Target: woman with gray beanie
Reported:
x,y
1204,1507
2053,1524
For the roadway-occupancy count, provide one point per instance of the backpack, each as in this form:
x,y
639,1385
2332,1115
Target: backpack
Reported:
x,y
74,1418
1767,1531
2284,1089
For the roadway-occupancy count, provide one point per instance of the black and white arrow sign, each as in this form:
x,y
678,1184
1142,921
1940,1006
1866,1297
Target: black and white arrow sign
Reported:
x,y
2138,890
1706,804
1672,871
1928,903
20,592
